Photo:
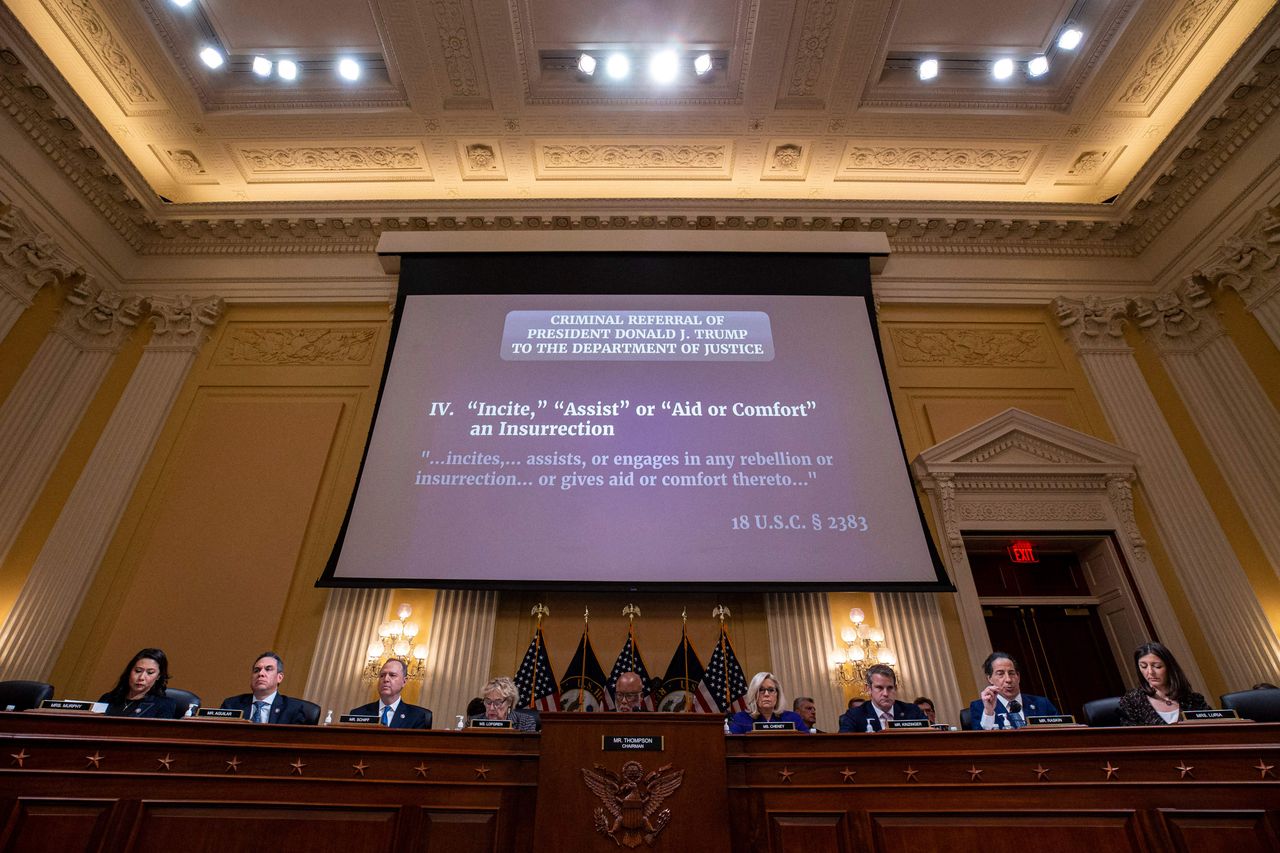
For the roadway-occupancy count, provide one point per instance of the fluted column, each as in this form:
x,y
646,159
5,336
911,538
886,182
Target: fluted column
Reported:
x,y
39,415
912,625
800,643
1249,263
351,618
459,651
32,635
29,260
1229,406
1237,631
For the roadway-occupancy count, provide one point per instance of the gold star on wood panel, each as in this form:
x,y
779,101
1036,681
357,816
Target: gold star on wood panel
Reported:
x,y
166,761
22,755
848,774
1112,772
975,775
422,769
297,766
1264,768
1184,769
233,765
360,767
1041,772
785,774
912,773
482,772
94,760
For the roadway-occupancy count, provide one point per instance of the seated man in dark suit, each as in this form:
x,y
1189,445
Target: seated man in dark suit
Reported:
x,y
882,686
266,704
389,709
1003,704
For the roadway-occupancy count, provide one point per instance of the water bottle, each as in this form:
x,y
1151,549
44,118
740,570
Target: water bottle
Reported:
x,y
328,718
461,724
870,727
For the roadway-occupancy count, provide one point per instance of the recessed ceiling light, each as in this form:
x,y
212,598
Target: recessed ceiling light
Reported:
x,y
262,66
1070,39
1002,69
211,57
349,69
928,69
287,69
664,66
702,64
1038,66
182,3
617,66
587,64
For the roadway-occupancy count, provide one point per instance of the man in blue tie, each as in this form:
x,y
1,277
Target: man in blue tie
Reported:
x,y
1002,704
265,703
390,709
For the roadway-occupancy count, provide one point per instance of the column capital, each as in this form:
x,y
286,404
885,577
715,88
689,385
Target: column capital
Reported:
x,y
1248,262
182,323
96,318
29,258
1179,321
1093,324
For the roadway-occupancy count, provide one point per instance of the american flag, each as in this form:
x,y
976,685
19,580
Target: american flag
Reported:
x,y
684,683
630,660
724,679
537,683
582,688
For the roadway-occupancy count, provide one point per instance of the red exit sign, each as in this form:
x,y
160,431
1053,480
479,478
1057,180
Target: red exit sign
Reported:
x,y
1023,552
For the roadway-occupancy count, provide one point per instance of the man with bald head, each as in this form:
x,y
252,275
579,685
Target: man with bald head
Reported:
x,y
629,692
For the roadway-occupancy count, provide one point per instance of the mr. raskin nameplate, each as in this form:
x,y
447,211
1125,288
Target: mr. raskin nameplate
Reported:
x,y
1211,714
490,724
630,743
1052,720
773,726
909,724
359,719
219,714
83,707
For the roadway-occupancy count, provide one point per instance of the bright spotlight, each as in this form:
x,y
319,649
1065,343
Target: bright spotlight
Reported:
x,y
349,69
1038,66
287,69
1070,39
664,66
262,66
587,64
617,66
702,64
182,4
211,57
928,69
1002,69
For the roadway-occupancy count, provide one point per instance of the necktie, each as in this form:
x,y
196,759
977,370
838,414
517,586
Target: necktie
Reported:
x,y
386,715
257,711
884,719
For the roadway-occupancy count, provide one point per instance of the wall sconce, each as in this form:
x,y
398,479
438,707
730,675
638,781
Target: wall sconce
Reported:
x,y
863,648
395,640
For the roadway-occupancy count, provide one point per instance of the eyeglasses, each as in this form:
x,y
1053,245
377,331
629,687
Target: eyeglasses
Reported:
x,y
494,703
767,690
632,696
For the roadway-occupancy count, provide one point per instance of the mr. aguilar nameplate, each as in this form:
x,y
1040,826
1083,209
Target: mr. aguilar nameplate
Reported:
x,y
1211,714
359,719
909,724
490,724
773,726
632,743
219,714
83,707
1052,720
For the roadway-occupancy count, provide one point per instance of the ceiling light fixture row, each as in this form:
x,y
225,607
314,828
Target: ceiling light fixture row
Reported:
x,y
1002,69
665,66
285,69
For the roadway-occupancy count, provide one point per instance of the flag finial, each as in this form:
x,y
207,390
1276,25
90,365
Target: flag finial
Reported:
x,y
631,612
539,610
721,612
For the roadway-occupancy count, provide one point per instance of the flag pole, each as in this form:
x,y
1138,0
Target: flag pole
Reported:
x,y
722,613
684,653
582,665
539,610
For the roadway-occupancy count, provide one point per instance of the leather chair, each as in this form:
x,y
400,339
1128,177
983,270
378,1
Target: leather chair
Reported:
x,y
185,699
1261,706
966,719
23,695
311,712
1103,712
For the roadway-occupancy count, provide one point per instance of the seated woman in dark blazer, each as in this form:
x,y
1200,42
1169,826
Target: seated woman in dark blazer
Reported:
x,y
139,692
1164,693
765,702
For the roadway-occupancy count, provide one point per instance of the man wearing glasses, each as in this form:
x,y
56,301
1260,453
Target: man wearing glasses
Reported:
x,y
630,692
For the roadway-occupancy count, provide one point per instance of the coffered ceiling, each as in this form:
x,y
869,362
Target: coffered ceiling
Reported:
x,y
811,103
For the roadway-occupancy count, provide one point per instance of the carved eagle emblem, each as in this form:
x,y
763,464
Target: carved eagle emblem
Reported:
x,y
632,811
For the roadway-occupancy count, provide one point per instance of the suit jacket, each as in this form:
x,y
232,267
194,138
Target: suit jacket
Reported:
x,y
856,720
1032,706
153,707
406,716
283,710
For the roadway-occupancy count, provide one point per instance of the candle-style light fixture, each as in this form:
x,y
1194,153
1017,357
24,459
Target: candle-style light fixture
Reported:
x,y
395,640
863,648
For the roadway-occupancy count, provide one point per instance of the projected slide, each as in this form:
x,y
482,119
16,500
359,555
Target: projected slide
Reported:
x,y
645,440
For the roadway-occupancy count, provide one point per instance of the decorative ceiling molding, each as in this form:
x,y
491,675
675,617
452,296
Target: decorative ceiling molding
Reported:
x,y
889,163
345,161
1187,29
116,67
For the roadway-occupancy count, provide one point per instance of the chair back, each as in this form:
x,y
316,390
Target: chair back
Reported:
x,y
310,712
966,719
1103,712
1262,706
184,698
23,695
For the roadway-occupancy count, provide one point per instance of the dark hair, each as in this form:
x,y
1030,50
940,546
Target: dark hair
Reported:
x,y
1177,687
988,664
404,667
882,669
920,699
795,704
279,660
121,691
475,707
1264,685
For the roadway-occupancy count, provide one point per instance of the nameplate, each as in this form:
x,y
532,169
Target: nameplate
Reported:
x,y
773,726
632,743
73,705
359,719
491,724
909,724
1211,714
1052,720
219,714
